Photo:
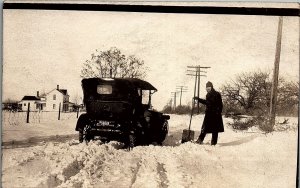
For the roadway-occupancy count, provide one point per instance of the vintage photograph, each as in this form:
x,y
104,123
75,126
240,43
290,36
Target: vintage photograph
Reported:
x,y
145,99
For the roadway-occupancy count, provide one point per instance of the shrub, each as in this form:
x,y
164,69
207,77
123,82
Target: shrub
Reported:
x,y
238,124
259,121
167,110
184,109
263,123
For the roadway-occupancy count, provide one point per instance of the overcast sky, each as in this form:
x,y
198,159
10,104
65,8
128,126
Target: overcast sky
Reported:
x,y
43,49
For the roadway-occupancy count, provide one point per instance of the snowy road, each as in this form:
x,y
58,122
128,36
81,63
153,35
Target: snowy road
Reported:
x,y
38,140
241,159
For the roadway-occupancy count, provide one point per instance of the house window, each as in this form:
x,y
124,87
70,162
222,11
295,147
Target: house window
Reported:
x,y
24,104
53,106
54,97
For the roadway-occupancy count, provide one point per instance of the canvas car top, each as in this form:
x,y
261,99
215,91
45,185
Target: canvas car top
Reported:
x,y
113,88
134,82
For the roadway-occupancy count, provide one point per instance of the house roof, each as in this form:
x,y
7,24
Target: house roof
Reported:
x,y
30,98
42,95
63,91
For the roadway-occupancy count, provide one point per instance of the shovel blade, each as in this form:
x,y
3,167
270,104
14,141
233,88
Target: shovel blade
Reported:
x,y
187,135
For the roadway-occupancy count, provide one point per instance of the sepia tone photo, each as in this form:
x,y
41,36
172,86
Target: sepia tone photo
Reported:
x,y
149,99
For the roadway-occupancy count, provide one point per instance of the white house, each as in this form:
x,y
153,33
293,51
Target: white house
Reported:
x,y
54,99
32,101
50,101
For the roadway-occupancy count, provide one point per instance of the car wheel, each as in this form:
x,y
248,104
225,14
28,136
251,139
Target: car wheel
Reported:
x,y
165,128
163,133
80,137
131,141
86,134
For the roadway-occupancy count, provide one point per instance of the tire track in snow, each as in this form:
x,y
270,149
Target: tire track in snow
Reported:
x,y
169,169
149,166
135,172
147,175
36,141
162,175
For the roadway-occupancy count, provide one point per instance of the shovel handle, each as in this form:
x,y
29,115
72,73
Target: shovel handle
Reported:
x,y
192,111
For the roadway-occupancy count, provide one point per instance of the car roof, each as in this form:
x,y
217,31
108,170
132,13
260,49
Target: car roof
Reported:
x,y
135,82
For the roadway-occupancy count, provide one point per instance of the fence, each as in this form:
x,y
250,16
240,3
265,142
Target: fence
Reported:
x,y
18,118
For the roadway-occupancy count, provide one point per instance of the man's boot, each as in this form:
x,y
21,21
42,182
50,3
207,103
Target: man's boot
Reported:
x,y
214,138
201,137
199,141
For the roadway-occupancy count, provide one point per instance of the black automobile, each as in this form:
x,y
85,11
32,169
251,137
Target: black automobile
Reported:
x,y
120,109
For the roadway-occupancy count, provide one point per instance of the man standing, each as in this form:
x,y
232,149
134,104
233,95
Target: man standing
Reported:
x,y
213,122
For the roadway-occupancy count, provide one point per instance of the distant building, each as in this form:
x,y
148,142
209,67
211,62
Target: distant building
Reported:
x,y
55,98
31,101
72,107
50,101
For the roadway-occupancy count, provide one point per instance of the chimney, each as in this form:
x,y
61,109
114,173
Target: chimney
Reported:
x,y
57,87
38,94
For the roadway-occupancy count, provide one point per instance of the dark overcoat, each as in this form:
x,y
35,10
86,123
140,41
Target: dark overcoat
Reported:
x,y
213,114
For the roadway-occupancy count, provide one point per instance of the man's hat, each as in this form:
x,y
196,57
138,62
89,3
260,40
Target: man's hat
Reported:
x,y
209,84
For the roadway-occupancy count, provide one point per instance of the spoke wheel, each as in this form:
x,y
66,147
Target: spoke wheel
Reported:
x,y
86,133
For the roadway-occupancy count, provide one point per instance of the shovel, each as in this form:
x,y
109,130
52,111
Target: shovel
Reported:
x,y
188,134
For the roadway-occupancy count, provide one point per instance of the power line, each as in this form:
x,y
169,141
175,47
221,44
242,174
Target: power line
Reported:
x,y
174,94
197,70
182,89
196,75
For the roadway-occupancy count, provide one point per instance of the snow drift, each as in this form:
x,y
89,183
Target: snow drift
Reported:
x,y
241,159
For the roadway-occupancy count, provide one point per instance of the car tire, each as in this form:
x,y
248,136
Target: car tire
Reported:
x,y
80,138
131,141
163,133
86,136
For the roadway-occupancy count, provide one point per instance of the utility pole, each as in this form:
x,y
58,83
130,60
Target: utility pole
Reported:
x,y
198,75
170,102
275,76
199,71
197,80
174,103
174,94
182,89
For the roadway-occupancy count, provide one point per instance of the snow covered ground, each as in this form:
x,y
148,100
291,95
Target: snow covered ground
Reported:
x,y
48,154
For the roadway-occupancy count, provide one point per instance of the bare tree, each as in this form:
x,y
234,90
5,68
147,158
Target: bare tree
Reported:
x,y
112,64
288,98
10,104
77,99
135,68
251,91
